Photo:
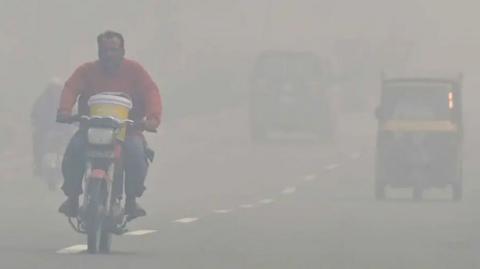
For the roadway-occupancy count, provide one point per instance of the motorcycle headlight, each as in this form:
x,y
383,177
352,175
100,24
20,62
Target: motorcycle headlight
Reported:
x,y
101,136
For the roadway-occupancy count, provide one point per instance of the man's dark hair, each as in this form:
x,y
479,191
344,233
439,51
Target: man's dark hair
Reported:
x,y
109,35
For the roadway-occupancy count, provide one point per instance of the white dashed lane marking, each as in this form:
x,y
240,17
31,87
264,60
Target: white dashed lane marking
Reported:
x,y
332,167
310,177
266,201
73,249
186,220
222,211
289,190
140,232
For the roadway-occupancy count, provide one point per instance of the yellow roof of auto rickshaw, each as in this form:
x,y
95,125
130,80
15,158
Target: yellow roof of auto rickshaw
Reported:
x,y
423,77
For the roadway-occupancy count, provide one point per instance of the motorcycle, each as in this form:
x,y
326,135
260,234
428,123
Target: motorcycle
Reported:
x,y
101,214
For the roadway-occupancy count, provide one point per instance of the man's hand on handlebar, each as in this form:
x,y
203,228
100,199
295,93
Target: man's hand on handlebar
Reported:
x,y
64,118
150,125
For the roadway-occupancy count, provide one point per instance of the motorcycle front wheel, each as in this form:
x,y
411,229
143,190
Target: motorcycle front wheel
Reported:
x,y
98,238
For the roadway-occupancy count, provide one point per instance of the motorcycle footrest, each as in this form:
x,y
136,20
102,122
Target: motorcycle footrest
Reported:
x,y
119,230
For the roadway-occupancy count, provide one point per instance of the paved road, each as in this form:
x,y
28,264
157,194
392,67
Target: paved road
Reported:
x,y
217,201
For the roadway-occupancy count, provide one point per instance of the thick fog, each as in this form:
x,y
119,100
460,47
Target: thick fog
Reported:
x,y
236,183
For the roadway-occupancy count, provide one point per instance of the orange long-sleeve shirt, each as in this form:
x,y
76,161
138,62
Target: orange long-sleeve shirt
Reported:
x,y
131,78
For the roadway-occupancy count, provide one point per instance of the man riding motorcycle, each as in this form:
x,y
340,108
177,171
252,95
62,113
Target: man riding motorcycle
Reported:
x,y
112,72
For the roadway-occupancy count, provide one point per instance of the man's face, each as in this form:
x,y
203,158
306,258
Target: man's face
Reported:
x,y
111,53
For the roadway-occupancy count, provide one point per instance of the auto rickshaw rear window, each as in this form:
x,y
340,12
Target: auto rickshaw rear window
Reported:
x,y
418,101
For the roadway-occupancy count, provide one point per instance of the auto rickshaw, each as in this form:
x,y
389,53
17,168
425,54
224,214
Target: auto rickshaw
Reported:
x,y
420,135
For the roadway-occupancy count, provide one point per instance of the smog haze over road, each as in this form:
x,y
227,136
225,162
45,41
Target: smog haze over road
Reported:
x,y
217,195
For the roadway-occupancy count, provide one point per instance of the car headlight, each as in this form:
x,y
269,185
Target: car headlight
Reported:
x,y
101,136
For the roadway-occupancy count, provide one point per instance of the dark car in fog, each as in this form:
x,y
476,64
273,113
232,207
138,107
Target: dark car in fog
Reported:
x,y
420,134
289,94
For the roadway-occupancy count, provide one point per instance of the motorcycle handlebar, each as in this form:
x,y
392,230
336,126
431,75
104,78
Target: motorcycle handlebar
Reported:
x,y
140,125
